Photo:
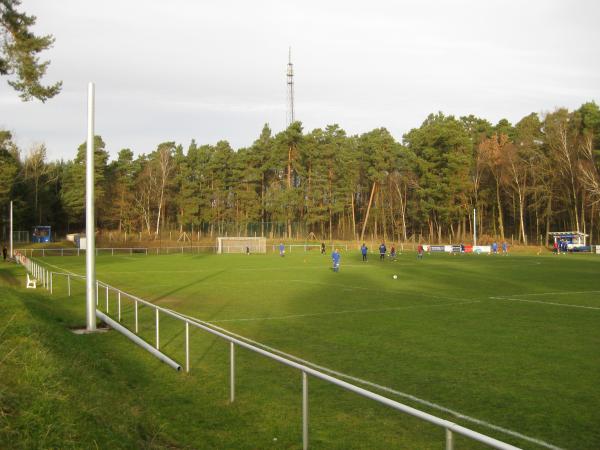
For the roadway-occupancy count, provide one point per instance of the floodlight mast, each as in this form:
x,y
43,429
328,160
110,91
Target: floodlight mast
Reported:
x,y
90,248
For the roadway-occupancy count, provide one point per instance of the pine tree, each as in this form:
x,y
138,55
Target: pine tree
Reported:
x,y
19,53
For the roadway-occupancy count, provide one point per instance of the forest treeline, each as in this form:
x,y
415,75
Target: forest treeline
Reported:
x,y
538,175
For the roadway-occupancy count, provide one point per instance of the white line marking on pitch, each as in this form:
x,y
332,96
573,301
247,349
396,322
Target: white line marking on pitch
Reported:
x,y
58,267
353,311
553,293
383,388
544,303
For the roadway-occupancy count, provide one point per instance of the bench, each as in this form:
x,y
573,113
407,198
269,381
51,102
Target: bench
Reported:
x,y
31,282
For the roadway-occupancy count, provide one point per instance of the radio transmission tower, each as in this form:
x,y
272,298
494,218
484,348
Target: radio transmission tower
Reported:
x,y
290,90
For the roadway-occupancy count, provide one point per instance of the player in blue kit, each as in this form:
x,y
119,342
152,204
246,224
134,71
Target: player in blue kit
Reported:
x,y
364,250
336,257
382,250
281,249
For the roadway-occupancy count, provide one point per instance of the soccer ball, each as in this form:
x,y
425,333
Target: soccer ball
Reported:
x,y
395,277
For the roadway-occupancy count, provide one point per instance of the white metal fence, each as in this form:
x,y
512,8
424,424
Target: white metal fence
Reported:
x,y
308,247
112,316
43,252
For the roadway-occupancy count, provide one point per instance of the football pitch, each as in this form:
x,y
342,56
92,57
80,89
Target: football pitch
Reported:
x,y
508,346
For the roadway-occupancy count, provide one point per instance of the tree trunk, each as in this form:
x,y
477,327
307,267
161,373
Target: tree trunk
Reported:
x,y
500,220
362,233
353,217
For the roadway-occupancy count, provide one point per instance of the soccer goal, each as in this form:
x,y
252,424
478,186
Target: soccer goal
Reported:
x,y
241,244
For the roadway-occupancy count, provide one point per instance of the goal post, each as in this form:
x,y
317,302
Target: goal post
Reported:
x,y
241,244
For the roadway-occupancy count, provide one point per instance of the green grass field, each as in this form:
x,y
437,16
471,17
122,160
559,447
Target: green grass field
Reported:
x,y
510,344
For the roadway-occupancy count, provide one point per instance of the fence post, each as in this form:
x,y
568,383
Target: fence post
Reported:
x,y
449,440
231,372
62,252
157,332
304,411
187,346
119,303
96,292
43,253
69,284
136,315
112,252
51,276
106,299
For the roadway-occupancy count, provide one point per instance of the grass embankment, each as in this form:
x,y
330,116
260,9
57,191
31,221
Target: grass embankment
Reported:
x,y
61,390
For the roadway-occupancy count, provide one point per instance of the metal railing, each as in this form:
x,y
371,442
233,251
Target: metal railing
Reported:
x,y
43,252
307,247
43,274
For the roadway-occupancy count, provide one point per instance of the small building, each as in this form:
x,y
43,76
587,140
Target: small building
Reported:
x,y
574,239
41,234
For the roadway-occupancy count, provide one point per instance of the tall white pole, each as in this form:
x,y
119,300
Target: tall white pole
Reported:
x,y
474,226
10,239
90,249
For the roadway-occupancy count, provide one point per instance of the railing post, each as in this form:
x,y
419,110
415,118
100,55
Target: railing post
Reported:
x,y
51,276
96,292
112,252
187,346
69,284
136,315
231,372
119,304
157,331
304,411
106,299
449,440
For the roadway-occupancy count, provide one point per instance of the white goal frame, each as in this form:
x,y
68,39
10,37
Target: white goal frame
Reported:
x,y
239,244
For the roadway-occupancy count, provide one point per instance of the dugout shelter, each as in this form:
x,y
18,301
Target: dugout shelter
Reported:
x,y
576,240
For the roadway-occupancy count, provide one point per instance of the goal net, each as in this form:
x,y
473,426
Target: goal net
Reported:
x,y
241,244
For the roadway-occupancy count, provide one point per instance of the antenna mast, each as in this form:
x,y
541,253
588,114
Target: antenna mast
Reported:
x,y
290,89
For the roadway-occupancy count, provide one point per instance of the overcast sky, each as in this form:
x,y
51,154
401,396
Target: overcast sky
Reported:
x,y
177,70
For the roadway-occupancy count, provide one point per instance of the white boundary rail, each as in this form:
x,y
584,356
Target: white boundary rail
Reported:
x,y
43,252
46,276
308,247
